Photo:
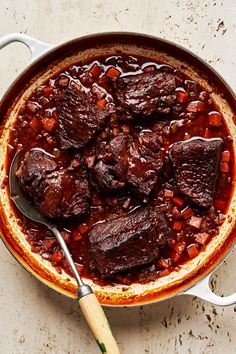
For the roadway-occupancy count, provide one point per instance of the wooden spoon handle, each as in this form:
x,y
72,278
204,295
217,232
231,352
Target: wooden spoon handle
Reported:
x,y
98,323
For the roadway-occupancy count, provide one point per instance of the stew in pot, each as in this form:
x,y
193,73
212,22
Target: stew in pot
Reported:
x,y
133,161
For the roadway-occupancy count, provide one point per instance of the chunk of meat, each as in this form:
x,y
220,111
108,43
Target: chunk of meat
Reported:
x,y
143,94
128,241
196,165
109,171
56,192
145,162
79,119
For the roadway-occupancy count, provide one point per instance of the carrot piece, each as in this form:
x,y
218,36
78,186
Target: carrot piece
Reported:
x,y
164,272
225,156
163,263
187,213
207,133
179,247
83,228
49,243
179,202
35,124
32,107
175,256
224,167
66,236
195,222
182,96
178,225
176,213
95,70
203,96
168,194
63,81
196,106
49,124
215,119
56,257
76,235
202,237
101,103
192,250
48,90
113,73
80,267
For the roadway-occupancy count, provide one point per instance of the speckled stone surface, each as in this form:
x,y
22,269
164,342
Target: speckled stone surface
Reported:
x,y
34,319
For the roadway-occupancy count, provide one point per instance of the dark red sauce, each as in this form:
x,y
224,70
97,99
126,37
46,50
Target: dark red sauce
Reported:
x,y
194,114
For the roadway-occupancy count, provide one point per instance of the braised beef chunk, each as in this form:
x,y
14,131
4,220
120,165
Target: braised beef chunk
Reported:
x,y
126,242
57,192
196,164
145,162
146,93
110,169
79,119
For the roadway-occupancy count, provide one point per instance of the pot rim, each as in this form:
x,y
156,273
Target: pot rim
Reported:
x,y
231,95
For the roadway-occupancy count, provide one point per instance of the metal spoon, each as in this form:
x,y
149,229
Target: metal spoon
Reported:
x,y
89,304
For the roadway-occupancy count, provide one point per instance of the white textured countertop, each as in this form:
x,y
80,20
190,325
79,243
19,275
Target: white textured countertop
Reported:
x,y
35,319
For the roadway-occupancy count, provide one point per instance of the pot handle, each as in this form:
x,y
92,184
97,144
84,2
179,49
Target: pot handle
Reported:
x,y
35,46
203,291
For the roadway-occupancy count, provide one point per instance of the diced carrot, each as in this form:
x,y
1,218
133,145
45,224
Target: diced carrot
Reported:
x,y
179,247
66,236
176,213
168,194
49,124
192,250
80,267
63,81
35,124
195,222
76,85
225,156
76,235
215,119
163,273
179,202
101,103
31,107
187,213
163,263
219,204
113,73
202,238
187,136
48,90
207,133
95,70
175,256
49,243
196,106
224,167
182,96
203,96
56,257
178,225
83,228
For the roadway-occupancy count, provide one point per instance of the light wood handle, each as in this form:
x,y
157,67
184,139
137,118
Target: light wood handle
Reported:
x,y
98,323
